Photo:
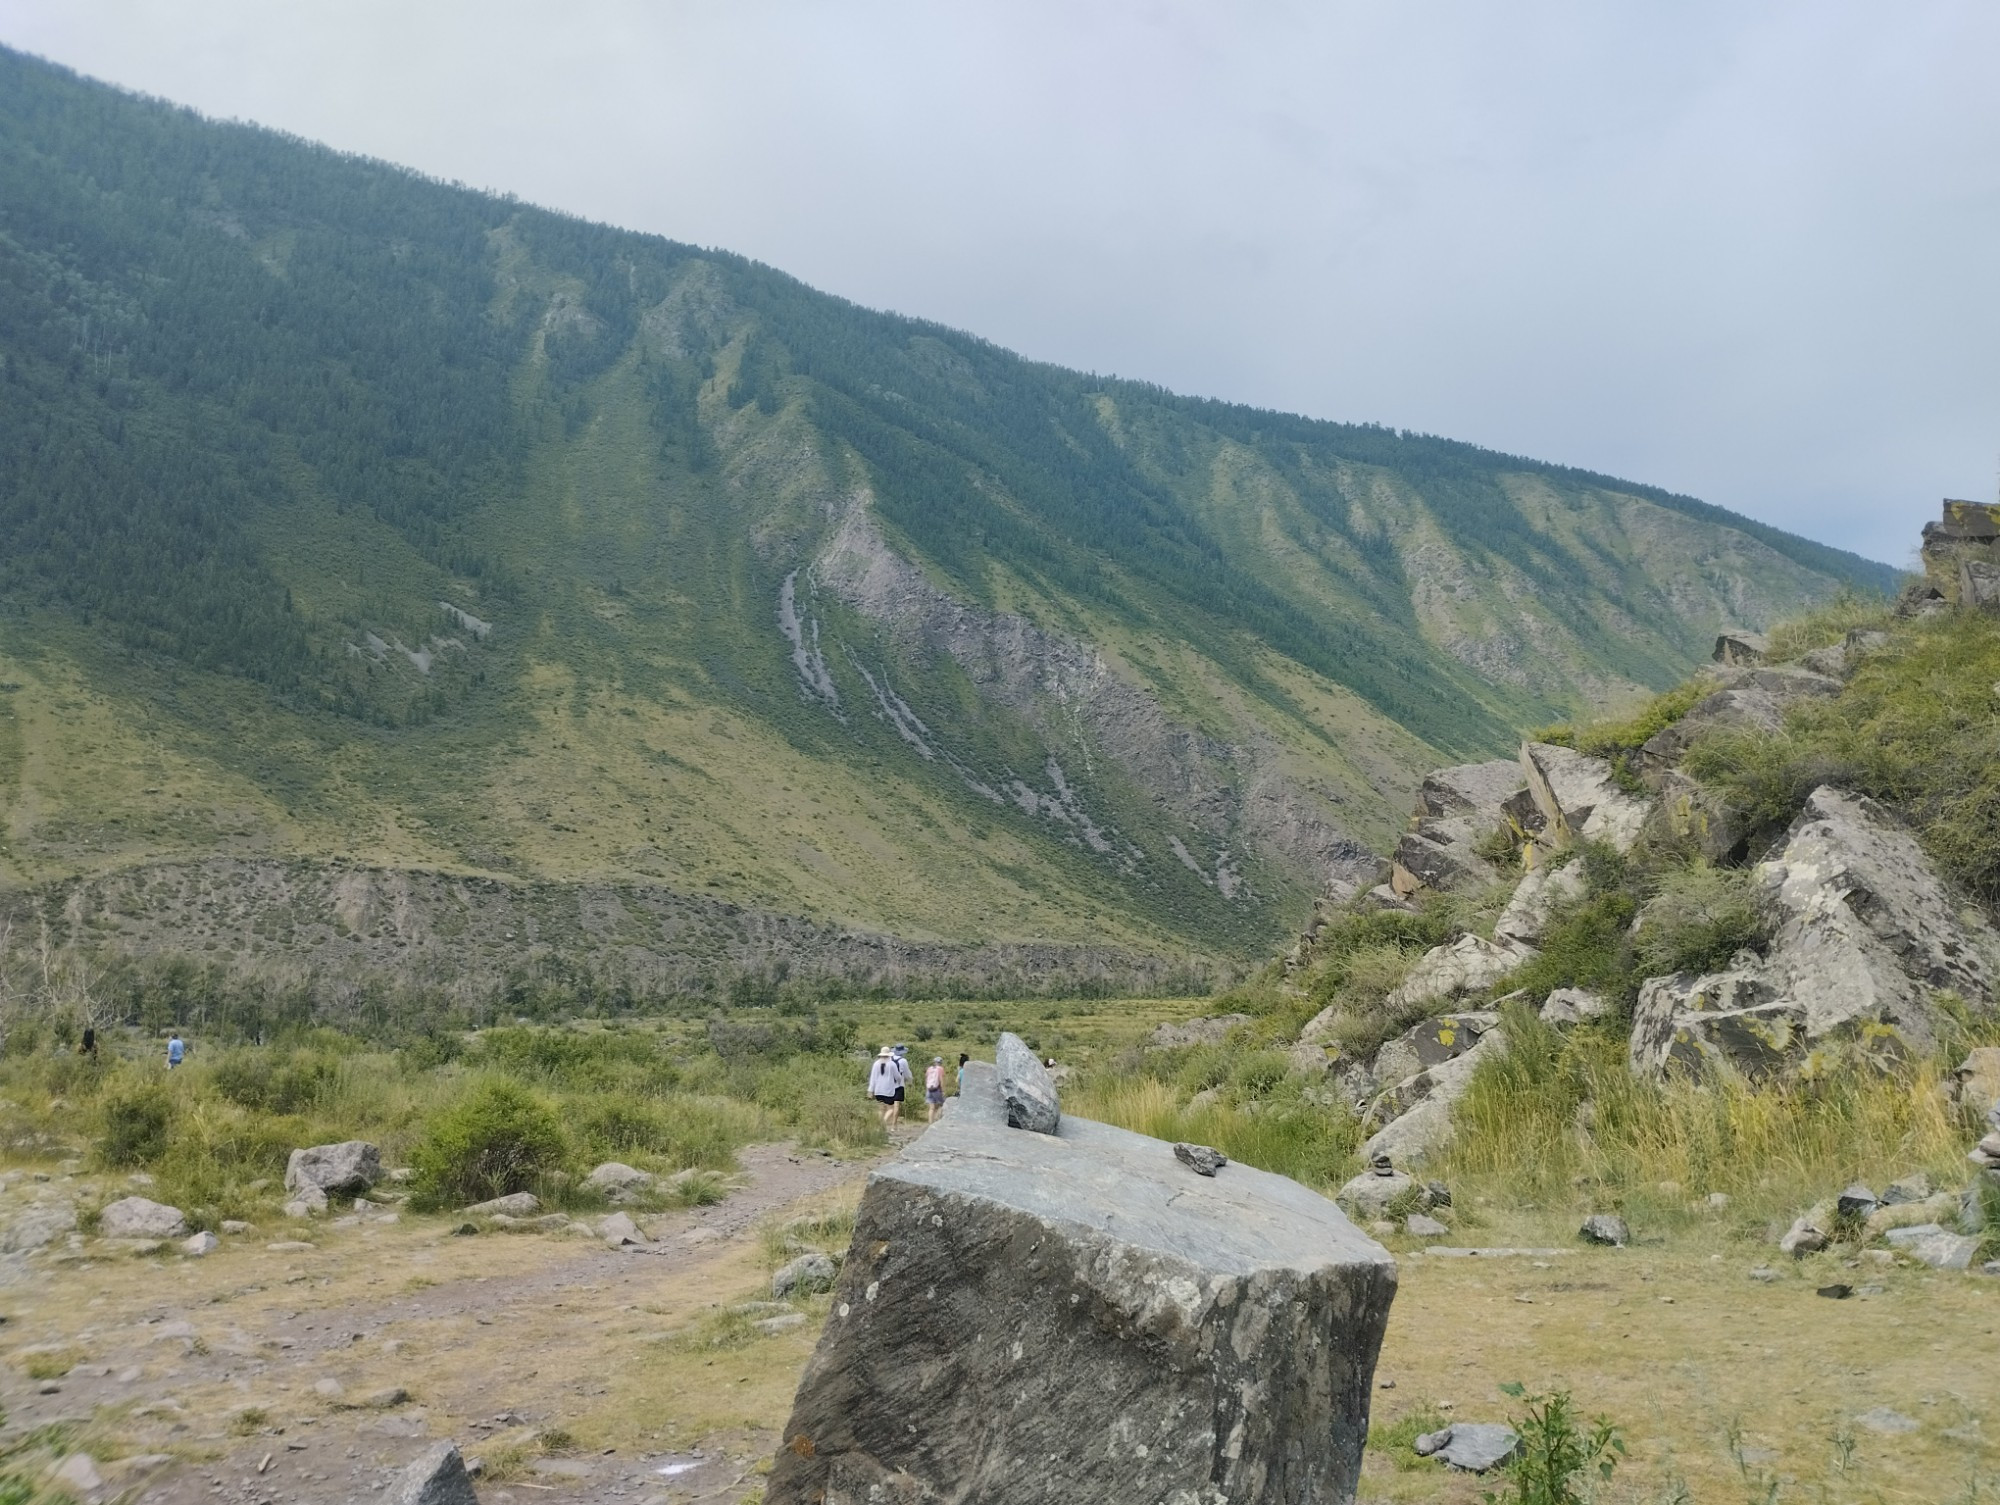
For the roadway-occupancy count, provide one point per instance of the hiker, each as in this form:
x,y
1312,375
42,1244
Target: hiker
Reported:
x,y
176,1050
962,1059
934,1088
905,1079
88,1049
884,1084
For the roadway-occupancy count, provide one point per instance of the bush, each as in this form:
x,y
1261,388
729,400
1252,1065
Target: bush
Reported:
x,y
136,1121
498,1139
1698,918
274,1083
1558,1456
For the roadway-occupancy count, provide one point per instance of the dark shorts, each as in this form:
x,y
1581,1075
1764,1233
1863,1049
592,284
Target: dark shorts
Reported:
x,y
935,1097
884,1101
899,1095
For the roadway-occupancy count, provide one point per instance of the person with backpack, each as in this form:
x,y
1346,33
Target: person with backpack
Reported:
x,y
905,1079
934,1087
885,1085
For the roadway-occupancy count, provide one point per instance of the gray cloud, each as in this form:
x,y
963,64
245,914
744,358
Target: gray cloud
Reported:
x,y
1741,251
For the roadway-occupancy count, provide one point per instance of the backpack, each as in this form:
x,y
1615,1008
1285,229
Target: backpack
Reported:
x,y
934,1079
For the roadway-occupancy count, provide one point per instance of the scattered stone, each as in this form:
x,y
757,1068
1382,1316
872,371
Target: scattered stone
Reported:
x,y
289,1246
1422,1225
1856,1202
136,1217
520,1204
1945,1251
1912,1233
1933,1209
328,1388
1025,1087
782,1323
1882,1419
200,1244
1501,1251
1605,1228
1915,1188
236,1225
619,1182
1764,1273
1200,1158
436,1477
1428,1443
1574,1006
1716,1201
1474,1446
1835,1292
386,1399
1536,899
38,1227
1806,1237
308,1202
343,1170
1372,1193
619,1231
1096,1289
805,1275
78,1474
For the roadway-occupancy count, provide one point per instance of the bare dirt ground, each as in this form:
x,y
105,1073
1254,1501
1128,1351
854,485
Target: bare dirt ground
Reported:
x,y
255,1374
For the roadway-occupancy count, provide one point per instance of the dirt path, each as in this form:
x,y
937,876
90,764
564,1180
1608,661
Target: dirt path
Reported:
x,y
263,1373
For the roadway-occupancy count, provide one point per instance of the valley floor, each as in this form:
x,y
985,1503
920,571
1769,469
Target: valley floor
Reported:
x,y
580,1373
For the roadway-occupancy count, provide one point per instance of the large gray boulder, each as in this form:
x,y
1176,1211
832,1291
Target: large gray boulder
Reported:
x,y
137,1217
1865,936
436,1476
340,1170
1470,964
1457,809
1039,1319
1026,1087
1413,1118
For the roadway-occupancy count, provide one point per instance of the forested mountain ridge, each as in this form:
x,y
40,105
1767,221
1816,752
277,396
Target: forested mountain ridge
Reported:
x,y
348,514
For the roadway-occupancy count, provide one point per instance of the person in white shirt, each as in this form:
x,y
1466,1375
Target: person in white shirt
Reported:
x,y
905,1079
885,1084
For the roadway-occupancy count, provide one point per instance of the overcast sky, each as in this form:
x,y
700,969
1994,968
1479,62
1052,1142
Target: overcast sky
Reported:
x,y
1743,250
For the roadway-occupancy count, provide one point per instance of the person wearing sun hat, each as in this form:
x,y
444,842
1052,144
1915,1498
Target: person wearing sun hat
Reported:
x,y
885,1084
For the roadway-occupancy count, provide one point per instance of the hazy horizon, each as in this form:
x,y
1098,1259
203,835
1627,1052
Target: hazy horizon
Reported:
x,y
1734,255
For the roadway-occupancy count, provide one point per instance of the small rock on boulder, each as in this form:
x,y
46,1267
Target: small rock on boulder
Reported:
x,y
805,1275
1605,1228
1372,1193
436,1477
342,1170
1200,1158
1026,1087
136,1217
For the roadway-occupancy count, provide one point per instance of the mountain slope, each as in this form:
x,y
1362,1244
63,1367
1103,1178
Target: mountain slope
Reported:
x,y
347,514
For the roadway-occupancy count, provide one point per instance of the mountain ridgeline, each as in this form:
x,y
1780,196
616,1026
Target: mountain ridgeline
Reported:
x,y
357,518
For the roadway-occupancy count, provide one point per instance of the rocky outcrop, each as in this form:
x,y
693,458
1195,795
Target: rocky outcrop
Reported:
x,y
1537,897
1040,1318
1741,648
1961,551
1465,966
1415,1115
1864,937
1457,809
1580,799
1752,700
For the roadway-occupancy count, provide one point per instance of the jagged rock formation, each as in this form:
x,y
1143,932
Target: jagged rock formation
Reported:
x,y
1457,809
1027,1319
1864,936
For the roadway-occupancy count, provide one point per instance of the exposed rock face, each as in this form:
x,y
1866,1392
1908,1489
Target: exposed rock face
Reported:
x,y
1579,799
1976,1081
136,1217
1415,1115
1567,1006
1026,1088
1535,901
1741,648
1866,934
1466,965
1195,1031
1968,533
1038,1319
619,1182
1457,808
1753,700
346,1169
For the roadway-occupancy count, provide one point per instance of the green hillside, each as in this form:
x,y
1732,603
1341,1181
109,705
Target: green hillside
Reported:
x,y
346,514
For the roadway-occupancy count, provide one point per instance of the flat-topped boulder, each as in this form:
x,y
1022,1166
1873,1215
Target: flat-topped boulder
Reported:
x,y
1031,1318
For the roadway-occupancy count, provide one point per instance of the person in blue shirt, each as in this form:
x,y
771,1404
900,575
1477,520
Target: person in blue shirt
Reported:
x,y
176,1050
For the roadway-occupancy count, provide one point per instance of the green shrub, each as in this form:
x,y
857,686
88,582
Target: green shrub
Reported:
x,y
271,1082
1560,1459
498,1139
1698,918
136,1119
1586,946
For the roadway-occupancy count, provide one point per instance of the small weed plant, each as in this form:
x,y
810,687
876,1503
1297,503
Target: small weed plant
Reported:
x,y
1562,1458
